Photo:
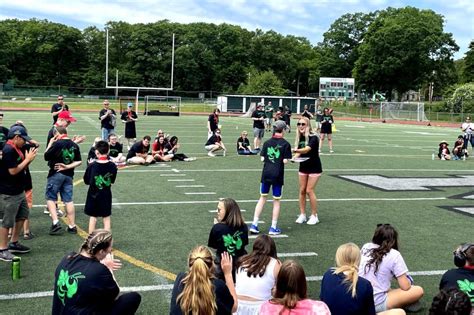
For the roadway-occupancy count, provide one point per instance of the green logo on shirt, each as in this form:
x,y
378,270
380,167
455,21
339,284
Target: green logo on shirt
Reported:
x,y
68,284
467,287
68,155
273,153
232,242
103,181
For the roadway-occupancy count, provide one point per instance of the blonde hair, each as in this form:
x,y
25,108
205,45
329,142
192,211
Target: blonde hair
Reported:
x,y
97,240
198,295
347,262
306,133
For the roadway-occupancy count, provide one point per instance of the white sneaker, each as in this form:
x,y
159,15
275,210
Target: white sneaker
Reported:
x,y
223,154
211,154
301,219
190,159
313,219
331,151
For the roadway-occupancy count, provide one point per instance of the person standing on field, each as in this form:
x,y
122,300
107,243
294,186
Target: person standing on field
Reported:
x,y
58,107
213,122
129,117
107,118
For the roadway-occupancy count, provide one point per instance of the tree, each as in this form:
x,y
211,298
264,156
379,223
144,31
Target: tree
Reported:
x,y
401,49
468,72
462,100
262,83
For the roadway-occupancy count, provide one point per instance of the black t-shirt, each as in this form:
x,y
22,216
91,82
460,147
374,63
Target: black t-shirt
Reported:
x,y
62,151
115,150
83,286
3,136
28,179
313,164
100,176
138,147
213,139
460,278
91,155
274,151
50,134
213,122
109,121
128,114
56,108
245,143
259,124
224,299
11,184
226,239
307,114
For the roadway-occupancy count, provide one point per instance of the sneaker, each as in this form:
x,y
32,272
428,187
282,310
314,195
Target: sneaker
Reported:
x,y
190,159
211,154
301,219
5,255
46,211
18,248
223,154
56,229
274,231
331,151
413,308
28,236
72,230
254,229
313,219
60,213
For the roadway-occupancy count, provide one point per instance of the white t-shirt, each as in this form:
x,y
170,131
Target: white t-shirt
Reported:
x,y
467,128
259,288
392,265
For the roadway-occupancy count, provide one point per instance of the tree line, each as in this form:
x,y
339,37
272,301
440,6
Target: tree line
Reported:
x,y
388,50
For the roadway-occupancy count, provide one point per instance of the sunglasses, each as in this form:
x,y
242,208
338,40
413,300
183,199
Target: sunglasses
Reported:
x,y
301,124
384,224
60,99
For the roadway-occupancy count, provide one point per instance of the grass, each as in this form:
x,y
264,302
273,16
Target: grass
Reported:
x,y
158,224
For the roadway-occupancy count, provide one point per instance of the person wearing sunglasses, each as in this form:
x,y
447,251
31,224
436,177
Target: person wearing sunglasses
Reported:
x,y
310,170
58,107
326,129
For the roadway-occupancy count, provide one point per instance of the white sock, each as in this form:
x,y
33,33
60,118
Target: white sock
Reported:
x,y
274,224
255,221
55,222
71,226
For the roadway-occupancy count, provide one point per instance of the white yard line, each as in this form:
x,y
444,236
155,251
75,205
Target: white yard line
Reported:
x,y
189,186
200,193
181,180
272,236
304,254
171,175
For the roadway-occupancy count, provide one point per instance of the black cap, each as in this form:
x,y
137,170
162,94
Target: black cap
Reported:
x,y
18,131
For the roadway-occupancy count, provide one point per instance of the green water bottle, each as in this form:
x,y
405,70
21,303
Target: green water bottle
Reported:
x,y
16,268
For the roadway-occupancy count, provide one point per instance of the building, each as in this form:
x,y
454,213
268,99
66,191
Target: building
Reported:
x,y
242,103
336,88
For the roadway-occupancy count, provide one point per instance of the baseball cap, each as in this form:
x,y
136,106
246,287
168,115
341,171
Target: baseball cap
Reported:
x,y
66,115
18,130
130,105
279,126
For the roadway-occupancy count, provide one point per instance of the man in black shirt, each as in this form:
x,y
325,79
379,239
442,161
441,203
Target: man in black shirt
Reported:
x,y
258,117
116,150
107,118
275,154
13,206
139,152
3,135
57,108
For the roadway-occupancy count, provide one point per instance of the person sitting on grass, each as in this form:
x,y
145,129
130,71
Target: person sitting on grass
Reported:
x,y
91,156
159,151
172,146
139,152
214,144
116,151
290,296
443,151
451,302
243,145
100,175
458,151
381,262
256,275
198,292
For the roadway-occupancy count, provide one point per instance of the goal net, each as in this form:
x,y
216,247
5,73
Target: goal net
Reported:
x,y
402,111
162,105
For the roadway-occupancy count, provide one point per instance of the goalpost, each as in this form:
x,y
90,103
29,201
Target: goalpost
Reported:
x,y
162,105
403,111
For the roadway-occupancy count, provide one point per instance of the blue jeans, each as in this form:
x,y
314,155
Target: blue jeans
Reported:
x,y
106,132
59,183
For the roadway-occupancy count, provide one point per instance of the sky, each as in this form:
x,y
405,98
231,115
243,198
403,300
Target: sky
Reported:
x,y
307,18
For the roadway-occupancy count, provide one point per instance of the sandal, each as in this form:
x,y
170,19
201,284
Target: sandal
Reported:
x,y
28,236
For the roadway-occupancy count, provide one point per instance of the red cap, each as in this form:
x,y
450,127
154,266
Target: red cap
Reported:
x,y
66,115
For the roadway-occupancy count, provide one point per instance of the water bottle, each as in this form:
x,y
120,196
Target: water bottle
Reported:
x,y
16,268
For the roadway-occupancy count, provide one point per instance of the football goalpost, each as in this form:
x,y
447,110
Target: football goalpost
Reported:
x,y
402,111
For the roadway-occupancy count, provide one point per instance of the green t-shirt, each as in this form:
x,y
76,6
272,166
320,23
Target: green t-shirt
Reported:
x,y
269,111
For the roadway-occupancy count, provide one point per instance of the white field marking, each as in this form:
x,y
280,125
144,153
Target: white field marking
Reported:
x,y
425,133
169,287
241,210
305,254
160,165
200,193
354,126
175,170
469,210
360,151
272,236
189,186
170,175
255,201
250,222
181,180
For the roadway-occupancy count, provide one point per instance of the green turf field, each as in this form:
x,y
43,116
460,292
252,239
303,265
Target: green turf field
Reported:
x,y
158,215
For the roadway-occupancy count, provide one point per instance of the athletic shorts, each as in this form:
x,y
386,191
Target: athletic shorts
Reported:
x,y
209,147
59,183
258,133
276,190
12,209
382,307
310,174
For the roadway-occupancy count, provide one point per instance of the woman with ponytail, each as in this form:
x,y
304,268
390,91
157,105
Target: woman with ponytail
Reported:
x,y
85,283
380,263
342,289
291,294
198,292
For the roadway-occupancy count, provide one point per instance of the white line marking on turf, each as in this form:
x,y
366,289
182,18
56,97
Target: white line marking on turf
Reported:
x,y
241,210
170,175
175,170
189,186
272,236
250,222
168,287
255,201
200,193
305,254
181,180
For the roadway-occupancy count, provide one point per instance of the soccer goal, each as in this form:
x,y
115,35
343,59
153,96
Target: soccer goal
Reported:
x,y
402,111
162,105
